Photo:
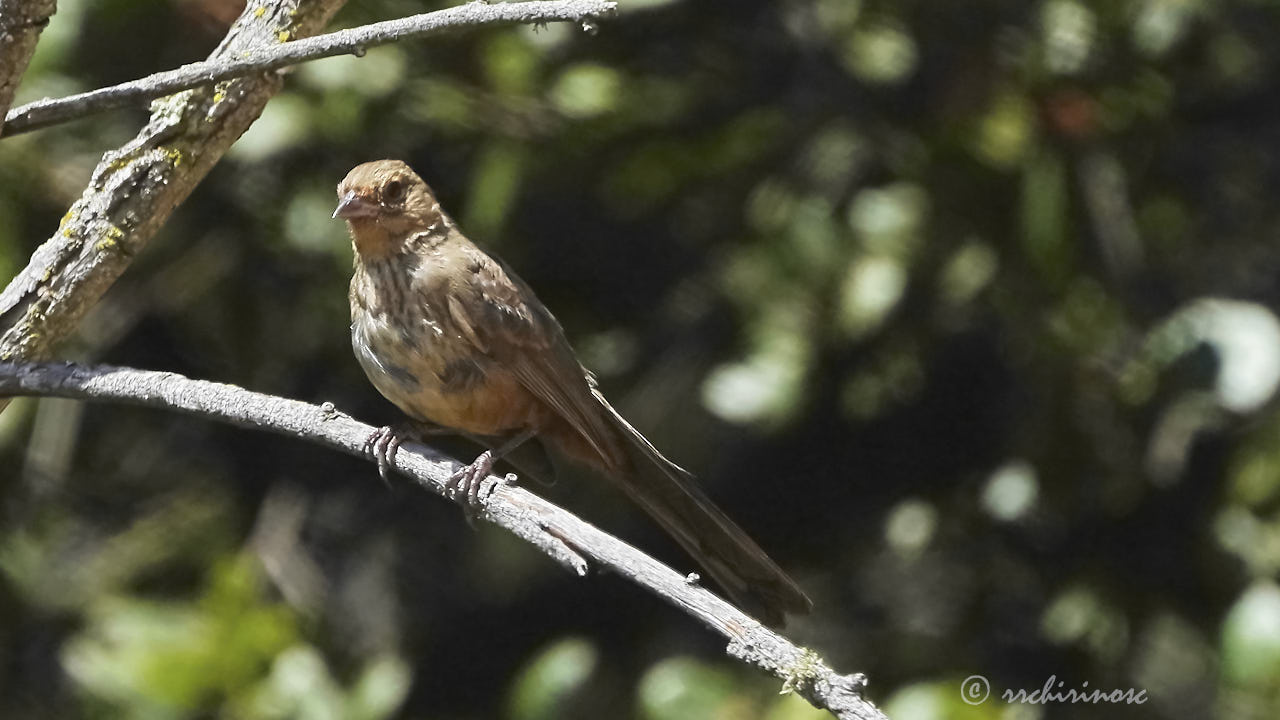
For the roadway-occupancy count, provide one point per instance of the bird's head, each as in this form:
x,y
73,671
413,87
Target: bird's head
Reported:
x,y
384,203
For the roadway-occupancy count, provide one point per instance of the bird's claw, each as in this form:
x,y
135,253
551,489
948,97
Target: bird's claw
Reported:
x,y
465,483
382,445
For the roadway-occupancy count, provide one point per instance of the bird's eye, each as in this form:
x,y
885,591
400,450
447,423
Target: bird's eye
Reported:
x,y
393,192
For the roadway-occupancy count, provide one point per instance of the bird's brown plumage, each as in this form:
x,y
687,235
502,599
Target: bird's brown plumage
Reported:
x,y
454,338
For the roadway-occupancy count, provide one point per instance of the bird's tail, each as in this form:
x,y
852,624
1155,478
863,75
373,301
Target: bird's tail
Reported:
x,y
672,497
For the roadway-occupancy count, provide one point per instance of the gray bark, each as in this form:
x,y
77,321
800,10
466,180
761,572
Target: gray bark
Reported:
x,y
355,41
574,544
134,189
21,22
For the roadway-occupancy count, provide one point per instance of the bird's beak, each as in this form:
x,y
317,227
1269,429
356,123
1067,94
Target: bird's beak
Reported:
x,y
354,206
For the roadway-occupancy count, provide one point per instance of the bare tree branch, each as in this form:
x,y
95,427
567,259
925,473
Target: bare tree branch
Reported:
x,y
21,22
134,189
561,535
355,41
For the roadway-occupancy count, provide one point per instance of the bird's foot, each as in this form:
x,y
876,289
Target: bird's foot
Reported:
x,y
381,447
464,485
467,485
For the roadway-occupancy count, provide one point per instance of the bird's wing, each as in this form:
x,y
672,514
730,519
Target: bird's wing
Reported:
x,y
499,314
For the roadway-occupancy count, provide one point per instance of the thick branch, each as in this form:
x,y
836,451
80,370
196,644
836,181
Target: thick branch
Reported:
x,y
355,41
21,22
558,533
134,189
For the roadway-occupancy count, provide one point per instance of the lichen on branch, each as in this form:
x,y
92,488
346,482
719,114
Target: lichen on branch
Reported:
x,y
135,188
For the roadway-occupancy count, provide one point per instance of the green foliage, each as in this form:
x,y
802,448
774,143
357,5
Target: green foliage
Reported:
x,y
685,689
548,681
967,311
165,659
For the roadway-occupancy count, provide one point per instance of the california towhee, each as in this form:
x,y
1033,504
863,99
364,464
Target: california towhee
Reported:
x,y
457,341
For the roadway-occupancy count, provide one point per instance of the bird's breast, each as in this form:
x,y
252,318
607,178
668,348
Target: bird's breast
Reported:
x,y
435,375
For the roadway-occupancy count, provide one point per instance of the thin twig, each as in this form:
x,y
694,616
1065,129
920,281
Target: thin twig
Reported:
x,y
561,535
355,41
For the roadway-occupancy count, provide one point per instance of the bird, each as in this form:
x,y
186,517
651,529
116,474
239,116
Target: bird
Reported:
x,y
459,343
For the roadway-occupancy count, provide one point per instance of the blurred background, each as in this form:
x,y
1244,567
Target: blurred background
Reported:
x,y
966,311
